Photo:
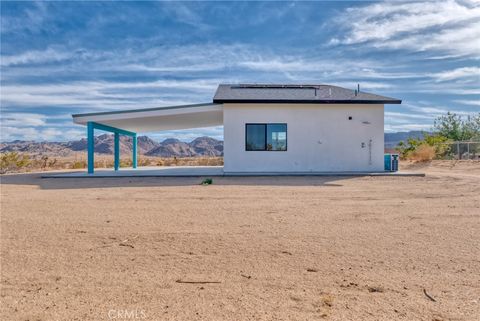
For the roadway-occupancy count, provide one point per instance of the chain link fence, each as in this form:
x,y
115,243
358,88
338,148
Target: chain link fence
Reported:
x,y
460,150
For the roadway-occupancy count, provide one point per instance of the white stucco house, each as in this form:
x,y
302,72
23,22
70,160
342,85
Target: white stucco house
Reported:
x,y
271,128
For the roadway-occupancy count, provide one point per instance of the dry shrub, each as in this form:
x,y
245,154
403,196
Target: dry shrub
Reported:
x,y
126,163
79,164
144,162
201,161
423,153
13,162
190,161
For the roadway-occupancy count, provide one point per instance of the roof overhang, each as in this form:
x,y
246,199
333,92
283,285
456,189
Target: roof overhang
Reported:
x,y
158,119
284,101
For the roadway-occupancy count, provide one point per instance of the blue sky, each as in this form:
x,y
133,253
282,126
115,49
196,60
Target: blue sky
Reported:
x,y
59,58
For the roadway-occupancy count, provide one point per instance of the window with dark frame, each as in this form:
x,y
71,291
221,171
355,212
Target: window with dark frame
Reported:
x,y
265,137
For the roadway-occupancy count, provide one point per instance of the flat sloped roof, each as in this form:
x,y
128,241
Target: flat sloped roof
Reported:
x,y
310,94
159,118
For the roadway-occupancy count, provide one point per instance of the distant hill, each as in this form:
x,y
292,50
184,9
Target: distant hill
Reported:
x,y
104,144
172,147
201,146
392,139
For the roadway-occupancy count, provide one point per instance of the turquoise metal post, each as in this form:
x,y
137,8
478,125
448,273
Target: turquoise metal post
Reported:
x,y
116,131
134,151
117,151
91,145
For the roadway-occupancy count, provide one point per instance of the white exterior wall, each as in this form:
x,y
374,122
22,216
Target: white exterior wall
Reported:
x,y
320,138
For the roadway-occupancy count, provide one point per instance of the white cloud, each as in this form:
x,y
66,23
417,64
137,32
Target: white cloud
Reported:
x,y
110,95
407,127
39,134
203,57
364,85
449,26
319,66
468,102
464,73
417,117
193,59
186,14
278,64
403,117
31,20
35,57
22,119
38,127
432,112
444,90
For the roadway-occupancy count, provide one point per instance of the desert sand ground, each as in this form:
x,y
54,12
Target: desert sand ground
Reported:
x,y
285,248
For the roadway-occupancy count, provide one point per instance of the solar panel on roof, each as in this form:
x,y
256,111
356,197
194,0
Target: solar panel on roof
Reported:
x,y
253,86
298,93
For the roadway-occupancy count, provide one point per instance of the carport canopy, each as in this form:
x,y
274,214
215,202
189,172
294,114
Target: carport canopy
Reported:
x,y
130,122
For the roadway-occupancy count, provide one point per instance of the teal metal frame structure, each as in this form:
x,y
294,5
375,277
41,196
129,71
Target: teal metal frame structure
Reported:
x,y
91,126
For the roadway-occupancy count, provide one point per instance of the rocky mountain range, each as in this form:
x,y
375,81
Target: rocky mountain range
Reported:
x,y
201,146
392,139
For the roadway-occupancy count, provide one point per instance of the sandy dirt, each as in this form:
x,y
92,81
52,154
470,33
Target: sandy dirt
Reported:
x,y
285,248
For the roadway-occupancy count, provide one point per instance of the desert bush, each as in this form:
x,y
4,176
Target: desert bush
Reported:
x,y
405,149
44,161
423,153
418,149
13,161
126,163
439,143
52,163
79,164
183,161
143,161
207,181
105,163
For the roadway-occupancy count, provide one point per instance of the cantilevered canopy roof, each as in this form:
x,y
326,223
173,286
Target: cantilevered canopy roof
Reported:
x,y
305,94
157,119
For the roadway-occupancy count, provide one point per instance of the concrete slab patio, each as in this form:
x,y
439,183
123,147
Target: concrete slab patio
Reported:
x,y
204,171
154,171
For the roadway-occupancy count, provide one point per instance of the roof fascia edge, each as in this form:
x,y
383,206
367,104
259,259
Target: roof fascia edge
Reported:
x,y
274,101
143,110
